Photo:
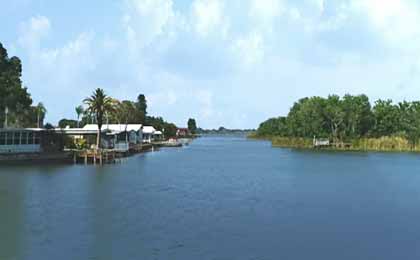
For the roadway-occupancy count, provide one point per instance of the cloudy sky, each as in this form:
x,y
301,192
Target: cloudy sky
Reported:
x,y
225,62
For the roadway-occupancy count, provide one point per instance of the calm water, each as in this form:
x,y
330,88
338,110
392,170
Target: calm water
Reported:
x,y
219,199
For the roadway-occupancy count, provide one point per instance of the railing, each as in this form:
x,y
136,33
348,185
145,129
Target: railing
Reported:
x,y
20,148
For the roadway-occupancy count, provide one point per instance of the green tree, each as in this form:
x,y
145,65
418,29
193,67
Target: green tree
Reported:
x,y
169,130
357,115
13,96
79,111
141,105
63,123
41,111
99,104
386,118
192,126
334,116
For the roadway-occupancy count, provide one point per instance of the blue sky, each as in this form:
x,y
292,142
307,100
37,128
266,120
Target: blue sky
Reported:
x,y
232,63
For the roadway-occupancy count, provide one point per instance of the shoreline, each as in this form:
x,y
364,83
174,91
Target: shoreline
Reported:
x,y
382,144
73,157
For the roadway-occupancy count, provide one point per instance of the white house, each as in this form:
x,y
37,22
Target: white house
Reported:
x,y
116,136
135,131
148,134
158,135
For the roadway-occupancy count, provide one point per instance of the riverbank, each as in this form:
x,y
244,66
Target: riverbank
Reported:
x,y
382,144
88,156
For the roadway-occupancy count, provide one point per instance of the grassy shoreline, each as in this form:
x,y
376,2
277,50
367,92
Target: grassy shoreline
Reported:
x,y
382,144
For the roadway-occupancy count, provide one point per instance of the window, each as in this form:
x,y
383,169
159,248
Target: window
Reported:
x,y
24,138
37,138
30,138
2,138
16,138
9,138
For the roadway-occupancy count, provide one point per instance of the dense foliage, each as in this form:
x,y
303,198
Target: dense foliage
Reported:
x,y
345,119
16,108
192,126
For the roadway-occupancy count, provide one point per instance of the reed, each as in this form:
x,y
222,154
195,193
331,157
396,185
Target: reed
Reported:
x,y
382,144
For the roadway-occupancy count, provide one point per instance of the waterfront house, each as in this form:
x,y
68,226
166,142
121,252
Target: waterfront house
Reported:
x,y
158,136
29,140
148,134
120,137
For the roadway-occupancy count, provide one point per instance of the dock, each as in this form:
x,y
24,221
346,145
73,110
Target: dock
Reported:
x,y
94,156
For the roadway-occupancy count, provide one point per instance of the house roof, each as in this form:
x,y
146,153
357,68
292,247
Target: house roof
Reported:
x,y
115,127
158,133
148,130
22,129
76,131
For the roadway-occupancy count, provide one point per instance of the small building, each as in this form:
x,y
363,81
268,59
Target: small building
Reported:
x,y
158,136
148,134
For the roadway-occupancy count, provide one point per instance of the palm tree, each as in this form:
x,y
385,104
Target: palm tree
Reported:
x,y
40,112
99,104
79,111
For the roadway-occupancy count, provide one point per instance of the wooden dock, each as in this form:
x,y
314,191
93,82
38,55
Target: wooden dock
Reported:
x,y
95,156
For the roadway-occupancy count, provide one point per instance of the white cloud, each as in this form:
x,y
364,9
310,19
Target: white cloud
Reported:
x,y
55,71
249,49
397,20
266,10
146,20
32,32
208,17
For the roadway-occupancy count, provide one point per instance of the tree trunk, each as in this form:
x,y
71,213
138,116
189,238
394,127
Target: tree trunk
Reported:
x,y
98,138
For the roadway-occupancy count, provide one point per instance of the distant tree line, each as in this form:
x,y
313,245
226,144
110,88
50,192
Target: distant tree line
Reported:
x,y
16,108
224,131
346,118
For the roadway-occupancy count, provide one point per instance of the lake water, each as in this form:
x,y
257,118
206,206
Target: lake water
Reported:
x,y
221,198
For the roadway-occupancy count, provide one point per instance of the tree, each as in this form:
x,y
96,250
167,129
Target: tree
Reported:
x,y
334,116
141,105
357,115
13,96
40,114
125,112
79,112
273,127
386,118
192,125
49,126
169,130
99,104
63,123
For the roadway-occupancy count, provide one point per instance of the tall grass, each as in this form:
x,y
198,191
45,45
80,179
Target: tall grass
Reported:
x,y
295,142
382,144
386,143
